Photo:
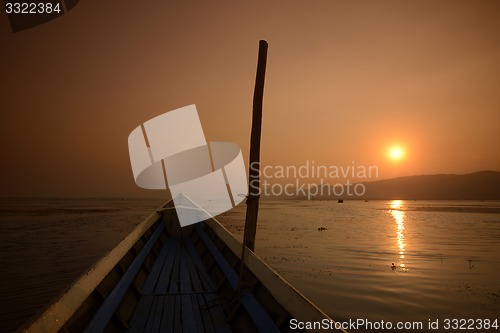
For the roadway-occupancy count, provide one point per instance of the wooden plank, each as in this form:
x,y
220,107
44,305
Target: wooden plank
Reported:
x,y
228,271
187,314
159,315
202,272
141,314
259,316
152,315
177,315
143,308
187,310
197,318
152,278
173,286
154,320
194,284
185,279
193,272
69,302
217,315
205,314
167,320
164,278
202,315
105,312
290,298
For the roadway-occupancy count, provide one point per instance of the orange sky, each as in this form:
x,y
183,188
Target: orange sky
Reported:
x,y
345,81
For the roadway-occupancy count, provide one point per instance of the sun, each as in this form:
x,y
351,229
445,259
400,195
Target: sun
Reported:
x,y
396,153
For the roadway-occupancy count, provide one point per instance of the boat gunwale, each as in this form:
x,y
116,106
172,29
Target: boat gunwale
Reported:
x,y
53,317
61,309
292,300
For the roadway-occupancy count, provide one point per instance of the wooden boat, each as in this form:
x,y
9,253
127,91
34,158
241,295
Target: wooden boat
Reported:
x,y
164,278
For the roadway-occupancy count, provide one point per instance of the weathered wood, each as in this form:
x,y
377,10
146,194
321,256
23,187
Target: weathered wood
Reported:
x,y
193,272
174,278
164,280
141,314
187,309
153,276
255,310
215,310
167,320
59,313
253,173
155,310
291,299
102,317
162,309
205,313
177,314
207,283
197,318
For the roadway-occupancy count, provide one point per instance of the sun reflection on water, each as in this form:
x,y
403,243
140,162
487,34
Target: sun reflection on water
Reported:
x,y
399,215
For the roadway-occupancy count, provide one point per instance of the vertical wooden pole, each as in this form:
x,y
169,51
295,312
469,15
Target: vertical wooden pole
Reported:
x,y
253,174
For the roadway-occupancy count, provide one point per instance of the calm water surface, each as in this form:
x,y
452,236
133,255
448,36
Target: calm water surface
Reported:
x,y
385,260
45,244
377,260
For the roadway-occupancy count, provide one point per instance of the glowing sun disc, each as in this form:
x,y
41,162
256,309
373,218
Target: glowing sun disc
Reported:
x,y
396,153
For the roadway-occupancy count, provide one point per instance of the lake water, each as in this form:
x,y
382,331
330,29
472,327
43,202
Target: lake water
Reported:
x,y
385,260
378,260
45,244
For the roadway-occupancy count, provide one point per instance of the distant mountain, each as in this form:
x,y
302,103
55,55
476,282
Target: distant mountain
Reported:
x,y
483,185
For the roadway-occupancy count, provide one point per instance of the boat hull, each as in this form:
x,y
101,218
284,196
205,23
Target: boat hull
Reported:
x,y
162,277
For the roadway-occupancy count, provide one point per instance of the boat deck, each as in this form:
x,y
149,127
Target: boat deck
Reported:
x,y
179,294
164,278
189,286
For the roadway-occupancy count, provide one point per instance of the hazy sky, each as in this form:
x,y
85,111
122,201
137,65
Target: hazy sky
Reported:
x,y
345,80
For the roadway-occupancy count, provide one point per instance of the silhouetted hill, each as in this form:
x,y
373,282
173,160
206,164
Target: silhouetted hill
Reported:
x,y
483,185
